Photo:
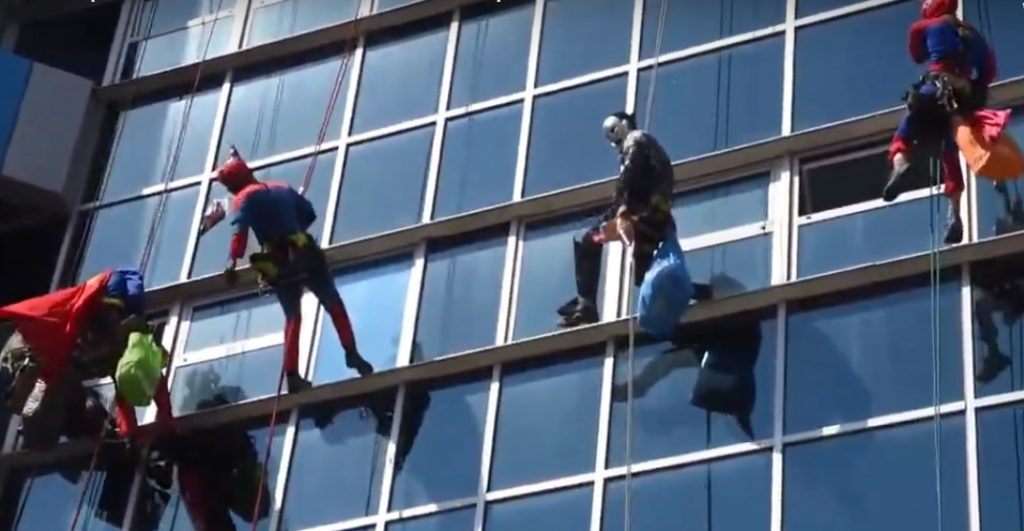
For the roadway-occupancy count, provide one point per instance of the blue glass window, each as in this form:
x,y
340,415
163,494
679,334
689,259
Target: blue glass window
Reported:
x,y
849,181
461,294
494,42
283,111
46,498
401,77
722,206
882,479
855,359
337,470
998,328
1002,211
374,296
998,22
175,515
384,5
382,187
583,36
290,17
167,16
212,250
869,236
829,89
147,138
442,430
567,147
478,163
1000,453
555,511
179,47
117,237
687,122
692,22
664,421
732,494
547,278
811,7
232,379
230,321
460,520
547,421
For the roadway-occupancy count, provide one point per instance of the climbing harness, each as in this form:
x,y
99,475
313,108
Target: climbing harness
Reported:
x,y
350,49
631,322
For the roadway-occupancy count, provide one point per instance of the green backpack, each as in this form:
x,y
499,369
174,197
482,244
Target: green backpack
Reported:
x,y
138,370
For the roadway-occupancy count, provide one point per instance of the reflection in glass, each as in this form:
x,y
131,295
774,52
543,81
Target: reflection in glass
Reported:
x,y
566,144
849,92
233,320
167,16
547,420
547,277
583,36
382,185
734,267
1000,468
212,250
810,7
494,42
882,479
1000,205
374,295
117,237
665,421
851,359
233,379
459,520
461,294
553,511
401,77
999,23
441,438
274,113
149,135
692,22
184,46
722,206
998,294
869,237
338,462
282,19
702,496
705,103
47,497
478,162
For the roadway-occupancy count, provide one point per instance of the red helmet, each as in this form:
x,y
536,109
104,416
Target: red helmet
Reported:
x,y
235,173
938,8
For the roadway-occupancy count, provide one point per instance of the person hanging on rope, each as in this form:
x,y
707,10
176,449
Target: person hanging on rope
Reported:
x,y
290,261
641,211
961,66
81,332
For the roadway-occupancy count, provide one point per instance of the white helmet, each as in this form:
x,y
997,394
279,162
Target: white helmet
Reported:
x,y
618,126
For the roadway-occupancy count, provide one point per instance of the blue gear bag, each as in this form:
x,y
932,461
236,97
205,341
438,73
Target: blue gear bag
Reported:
x,y
666,290
128,287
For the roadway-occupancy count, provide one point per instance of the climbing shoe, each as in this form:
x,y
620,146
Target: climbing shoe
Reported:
x,y
897,183
954,228
297,383
583,313
353,360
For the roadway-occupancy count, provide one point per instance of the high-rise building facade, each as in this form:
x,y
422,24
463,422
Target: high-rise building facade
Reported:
x,y
452,149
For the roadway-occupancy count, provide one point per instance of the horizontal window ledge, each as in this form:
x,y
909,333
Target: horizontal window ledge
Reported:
x,y
557,342
279,49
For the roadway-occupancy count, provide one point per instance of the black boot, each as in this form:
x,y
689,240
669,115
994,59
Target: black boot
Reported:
x,y
297,383
353,360
702,292
583,310
954,227
897,183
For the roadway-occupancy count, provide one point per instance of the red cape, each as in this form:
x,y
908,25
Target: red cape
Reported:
x,y
51,323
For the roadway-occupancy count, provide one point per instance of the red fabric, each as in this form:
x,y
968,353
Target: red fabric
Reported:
x,y
343,326
235,173
952,175
938,8
897,146
916,43
52,323
991,122
292,326
239,243
127,423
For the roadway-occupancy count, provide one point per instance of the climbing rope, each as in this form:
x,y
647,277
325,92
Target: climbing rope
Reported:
x,y
331,103
631,321
934,210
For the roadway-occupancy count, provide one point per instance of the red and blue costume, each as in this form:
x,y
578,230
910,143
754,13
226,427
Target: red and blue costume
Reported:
x,y
960,65
279,217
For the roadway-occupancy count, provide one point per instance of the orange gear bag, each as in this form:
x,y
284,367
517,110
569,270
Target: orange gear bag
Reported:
x,y
993,156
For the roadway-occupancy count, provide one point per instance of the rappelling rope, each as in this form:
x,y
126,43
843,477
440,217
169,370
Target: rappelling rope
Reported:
x,y
630,275
331,103
934,210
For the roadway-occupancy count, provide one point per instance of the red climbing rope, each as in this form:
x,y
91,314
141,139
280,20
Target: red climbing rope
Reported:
x,y
332,101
